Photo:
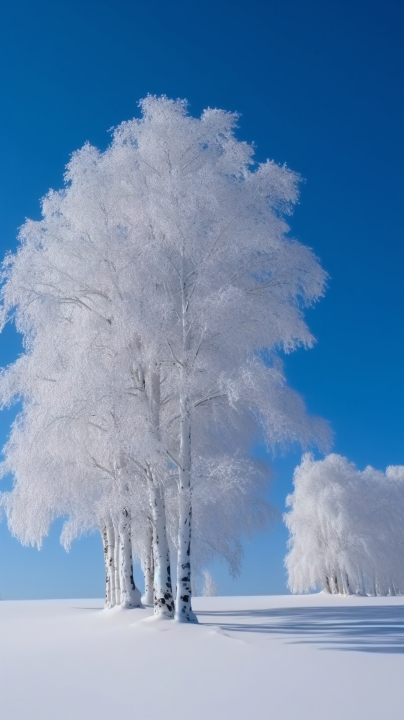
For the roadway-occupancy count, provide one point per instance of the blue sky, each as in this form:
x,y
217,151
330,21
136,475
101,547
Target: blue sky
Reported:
x,y
319,86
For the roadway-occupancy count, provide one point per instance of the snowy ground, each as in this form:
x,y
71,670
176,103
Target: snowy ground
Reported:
x,y
251,658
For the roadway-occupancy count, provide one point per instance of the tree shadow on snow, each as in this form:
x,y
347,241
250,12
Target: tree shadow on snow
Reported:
x,y
377,629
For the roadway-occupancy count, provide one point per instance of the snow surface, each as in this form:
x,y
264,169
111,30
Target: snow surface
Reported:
x,y
280,657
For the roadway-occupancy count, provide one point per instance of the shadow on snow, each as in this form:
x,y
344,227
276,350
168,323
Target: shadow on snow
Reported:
x,y
375,628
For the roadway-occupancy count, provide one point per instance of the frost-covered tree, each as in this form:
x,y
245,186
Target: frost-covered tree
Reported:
x,y
162,284
228,280
346,528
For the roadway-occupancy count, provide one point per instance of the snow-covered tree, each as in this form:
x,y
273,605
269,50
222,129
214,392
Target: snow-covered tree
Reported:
x,y
161,285
346,528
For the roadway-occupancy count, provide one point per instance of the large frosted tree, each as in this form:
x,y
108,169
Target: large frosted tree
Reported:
x,y
169,253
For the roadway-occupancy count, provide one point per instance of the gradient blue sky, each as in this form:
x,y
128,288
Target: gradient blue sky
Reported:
x,y
319,86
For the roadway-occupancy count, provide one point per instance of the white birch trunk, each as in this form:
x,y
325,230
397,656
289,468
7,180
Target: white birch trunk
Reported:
x,y
373,587
184,612
362,586
148,570
117,564
183,602
163,594
111,563
107,576
327,586
130,595
341,583
347,585
334,584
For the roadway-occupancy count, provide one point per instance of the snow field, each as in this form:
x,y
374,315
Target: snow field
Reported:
x,y
280,657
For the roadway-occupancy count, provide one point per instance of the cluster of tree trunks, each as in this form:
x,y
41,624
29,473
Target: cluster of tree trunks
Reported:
x,y
120,588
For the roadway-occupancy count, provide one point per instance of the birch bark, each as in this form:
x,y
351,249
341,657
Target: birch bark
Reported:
x,y
184,612
111,563
107,575
334,584
117,564
148,570
163,595
130,595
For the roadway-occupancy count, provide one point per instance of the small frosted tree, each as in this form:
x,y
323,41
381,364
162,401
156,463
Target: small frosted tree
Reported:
x,y
346,528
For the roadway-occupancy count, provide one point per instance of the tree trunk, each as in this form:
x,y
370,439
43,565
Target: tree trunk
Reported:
x,y
107,575
373,587
163,594
362,585
184,612
148,570
111,563
334,584
130,595
348,590
117,564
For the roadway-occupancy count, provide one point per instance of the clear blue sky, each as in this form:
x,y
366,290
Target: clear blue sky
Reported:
x,y
319,86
